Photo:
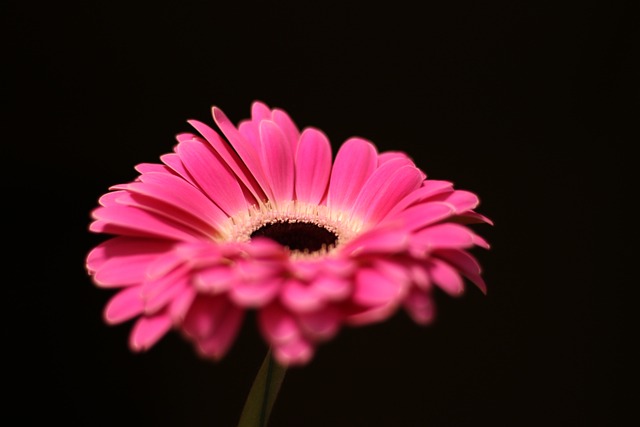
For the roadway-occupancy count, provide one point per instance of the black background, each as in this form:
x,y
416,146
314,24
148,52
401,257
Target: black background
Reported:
x,y
532,105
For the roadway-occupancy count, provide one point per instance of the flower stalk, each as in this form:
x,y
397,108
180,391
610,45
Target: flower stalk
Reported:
x,y
263,394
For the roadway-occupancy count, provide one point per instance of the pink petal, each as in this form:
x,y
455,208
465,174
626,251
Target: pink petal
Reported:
x,y
165,263
305,270
462,260
111,198
119,219
204,316
181,304
202,254
445,236
339,267
299,297
262,247
117,272
247,152
260,111
218,343
152,167
384,189
249,130
254,294
432,187
162,209
472,217
373,288
162,294
124,305
277,161
313,166
463,201
214,279
355,162
172,160
393,269
173,190
252,270
331,288
154,285
125,251
148,330
386,156
446,277
467,265
378,240
420,276
479,241
371,315
288,127
277,325
429,189
375,184
320,325
212,175
424,214
186,136
230,157
294,352
420,307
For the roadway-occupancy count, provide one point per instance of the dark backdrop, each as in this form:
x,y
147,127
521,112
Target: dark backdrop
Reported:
x,y
529,104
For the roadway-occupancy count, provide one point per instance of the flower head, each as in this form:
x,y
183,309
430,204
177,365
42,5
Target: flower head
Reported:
x,y
265,219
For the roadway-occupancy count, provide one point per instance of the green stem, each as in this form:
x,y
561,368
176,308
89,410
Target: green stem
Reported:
x,y
263,393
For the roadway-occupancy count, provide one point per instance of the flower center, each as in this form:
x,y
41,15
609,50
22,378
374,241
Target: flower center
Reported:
x,y
298,236
307,230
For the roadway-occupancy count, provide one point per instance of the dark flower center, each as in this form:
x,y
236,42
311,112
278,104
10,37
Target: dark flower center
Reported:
x,y
298,236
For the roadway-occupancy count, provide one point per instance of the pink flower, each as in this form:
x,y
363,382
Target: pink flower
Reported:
x,y
268,222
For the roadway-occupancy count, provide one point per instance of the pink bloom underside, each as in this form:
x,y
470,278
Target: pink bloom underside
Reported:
x,y
175,269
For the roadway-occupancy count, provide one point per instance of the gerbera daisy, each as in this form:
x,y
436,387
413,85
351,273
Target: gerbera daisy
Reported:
x,y
265,219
